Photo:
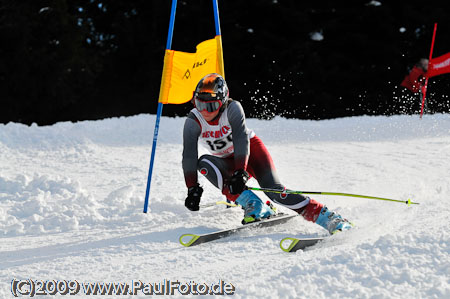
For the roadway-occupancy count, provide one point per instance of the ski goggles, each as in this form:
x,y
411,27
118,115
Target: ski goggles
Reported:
x,y
207,101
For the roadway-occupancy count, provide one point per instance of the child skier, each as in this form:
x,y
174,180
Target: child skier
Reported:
x,y
218,123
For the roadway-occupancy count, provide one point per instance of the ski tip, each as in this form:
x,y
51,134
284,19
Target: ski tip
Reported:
x,y
190,239
288,243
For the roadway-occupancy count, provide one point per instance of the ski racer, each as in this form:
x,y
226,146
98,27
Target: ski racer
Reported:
x,y
237,154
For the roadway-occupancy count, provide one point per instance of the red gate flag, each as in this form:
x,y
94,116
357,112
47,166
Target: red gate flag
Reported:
x,y
439,65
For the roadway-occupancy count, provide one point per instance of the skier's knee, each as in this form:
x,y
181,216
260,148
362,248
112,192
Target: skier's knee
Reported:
x,y
210,171
203,163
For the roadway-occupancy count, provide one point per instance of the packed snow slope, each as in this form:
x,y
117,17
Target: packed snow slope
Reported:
x,y
72,196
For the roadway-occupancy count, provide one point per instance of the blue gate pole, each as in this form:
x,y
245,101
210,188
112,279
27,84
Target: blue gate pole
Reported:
x,y
216,17
159,111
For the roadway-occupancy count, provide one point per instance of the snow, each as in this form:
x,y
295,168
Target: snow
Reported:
x,y
72,195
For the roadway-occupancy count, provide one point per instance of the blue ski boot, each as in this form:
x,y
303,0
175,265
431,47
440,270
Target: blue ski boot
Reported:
x,y
254,208
332,222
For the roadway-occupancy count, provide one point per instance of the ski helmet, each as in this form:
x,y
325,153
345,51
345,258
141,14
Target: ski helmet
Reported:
x,y
211,93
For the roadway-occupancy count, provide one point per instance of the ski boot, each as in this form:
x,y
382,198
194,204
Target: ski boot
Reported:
x,y
332,222
254,208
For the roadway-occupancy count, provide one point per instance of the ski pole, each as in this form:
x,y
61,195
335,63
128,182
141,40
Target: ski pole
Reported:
x,y
408,202
222,202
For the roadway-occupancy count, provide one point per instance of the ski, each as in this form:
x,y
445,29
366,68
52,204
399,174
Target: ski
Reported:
x,y
290,244
189,240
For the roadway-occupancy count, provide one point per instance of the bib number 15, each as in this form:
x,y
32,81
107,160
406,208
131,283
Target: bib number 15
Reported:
x,y
219,144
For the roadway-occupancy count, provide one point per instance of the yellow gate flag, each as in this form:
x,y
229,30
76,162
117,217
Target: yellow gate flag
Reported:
x,y
182,71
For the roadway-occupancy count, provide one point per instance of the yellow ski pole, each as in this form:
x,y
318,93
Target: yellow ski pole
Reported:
x,y
408,202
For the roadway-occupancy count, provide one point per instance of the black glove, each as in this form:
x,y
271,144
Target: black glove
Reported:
x,y
193,200
237,182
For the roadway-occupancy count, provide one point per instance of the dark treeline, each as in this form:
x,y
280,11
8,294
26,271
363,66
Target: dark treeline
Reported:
x,y
88,59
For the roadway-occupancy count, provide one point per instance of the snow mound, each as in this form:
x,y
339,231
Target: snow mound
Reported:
x,y
44,205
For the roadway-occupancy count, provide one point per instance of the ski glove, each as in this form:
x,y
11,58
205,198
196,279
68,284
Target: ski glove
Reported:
x,y
193,200
238,181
